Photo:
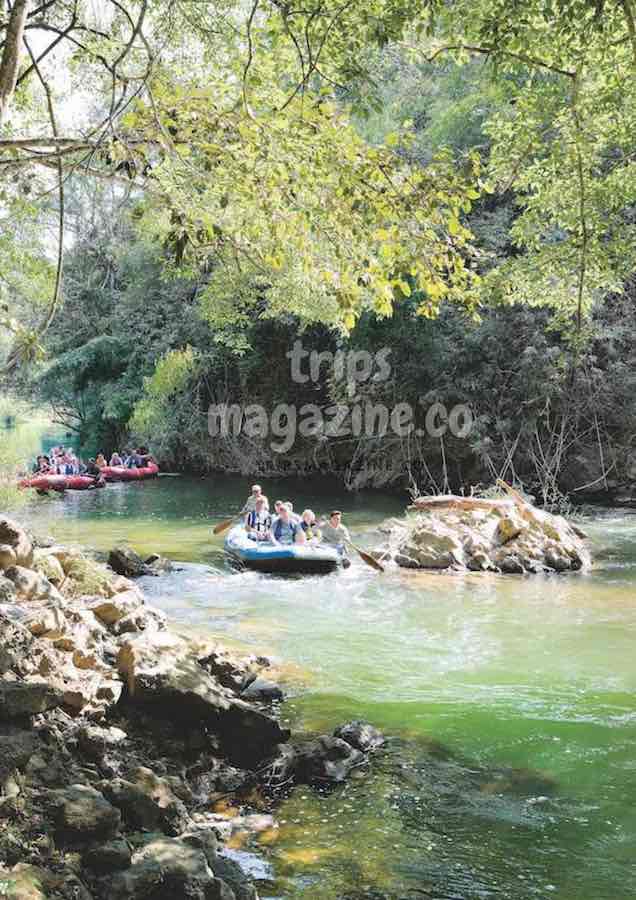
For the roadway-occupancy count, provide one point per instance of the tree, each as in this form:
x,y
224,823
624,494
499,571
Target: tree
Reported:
x,y
234,123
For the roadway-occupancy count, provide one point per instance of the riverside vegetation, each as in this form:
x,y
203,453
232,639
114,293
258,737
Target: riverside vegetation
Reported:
x,y
452,181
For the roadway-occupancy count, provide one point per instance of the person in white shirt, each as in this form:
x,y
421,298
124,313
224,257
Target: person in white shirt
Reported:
x,y
258,522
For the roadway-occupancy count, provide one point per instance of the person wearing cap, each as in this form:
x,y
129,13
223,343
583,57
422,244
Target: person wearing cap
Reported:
x,y
258,522
250,503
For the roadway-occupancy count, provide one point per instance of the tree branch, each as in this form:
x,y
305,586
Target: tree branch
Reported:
x,y
493,51
11,55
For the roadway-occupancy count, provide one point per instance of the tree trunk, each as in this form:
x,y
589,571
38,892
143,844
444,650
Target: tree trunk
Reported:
x,y
10,62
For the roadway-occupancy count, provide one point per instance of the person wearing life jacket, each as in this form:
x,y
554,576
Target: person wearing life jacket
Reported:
x,y
100,460
309,525
285,530
116,459
250,503
258,522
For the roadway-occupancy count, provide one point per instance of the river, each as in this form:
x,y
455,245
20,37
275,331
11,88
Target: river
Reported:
x,y
509,701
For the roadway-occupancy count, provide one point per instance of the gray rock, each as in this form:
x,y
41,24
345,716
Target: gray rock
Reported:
x,y
126,562
30,585
95,740
8,592
137,808
159,564
150,802
111,610
168,869
84,813
361,735
27,698
511,565
232,874
164,674
109,857
262,689
326,760
17,746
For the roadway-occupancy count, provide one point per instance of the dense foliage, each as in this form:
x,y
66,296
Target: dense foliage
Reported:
x,y
339,169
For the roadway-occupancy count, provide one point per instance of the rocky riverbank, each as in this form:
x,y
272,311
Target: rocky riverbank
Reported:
x,y
507,535
118,738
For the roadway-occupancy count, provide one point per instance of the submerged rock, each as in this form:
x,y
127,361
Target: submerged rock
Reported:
x,y
360,735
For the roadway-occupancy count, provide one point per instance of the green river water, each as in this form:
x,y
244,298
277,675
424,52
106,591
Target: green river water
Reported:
x,y
509,702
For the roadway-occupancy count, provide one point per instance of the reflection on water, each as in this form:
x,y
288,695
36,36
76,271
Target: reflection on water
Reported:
x,y
509,675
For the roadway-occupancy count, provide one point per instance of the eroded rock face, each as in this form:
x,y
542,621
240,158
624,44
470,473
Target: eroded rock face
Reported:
x,y
505,535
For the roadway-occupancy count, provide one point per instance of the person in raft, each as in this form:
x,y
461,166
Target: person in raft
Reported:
x,y
93,471
258,522
100,460
309,525
285,530
115,459
250,503
335,533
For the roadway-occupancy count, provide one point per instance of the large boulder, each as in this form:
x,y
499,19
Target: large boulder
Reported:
x,y
16,548
162,671
17,746
83,813
167,869
507,535
19,699
109,857
150,801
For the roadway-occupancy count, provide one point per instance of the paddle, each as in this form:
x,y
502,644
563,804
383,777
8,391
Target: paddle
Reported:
x,y
367,558
223,526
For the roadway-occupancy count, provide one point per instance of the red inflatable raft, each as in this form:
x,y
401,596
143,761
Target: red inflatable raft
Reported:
x,y
84,482
61,483
121,473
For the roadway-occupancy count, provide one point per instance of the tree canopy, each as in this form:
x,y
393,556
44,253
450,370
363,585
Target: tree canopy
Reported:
x,y
237,131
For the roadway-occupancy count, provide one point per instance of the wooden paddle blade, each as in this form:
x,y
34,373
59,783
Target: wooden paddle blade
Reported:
x,y
223,526
368,559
